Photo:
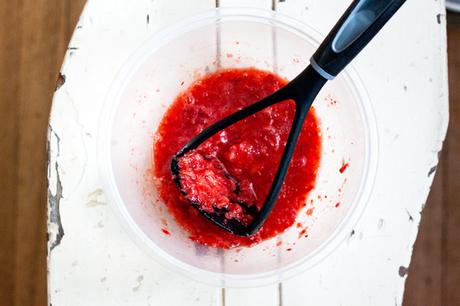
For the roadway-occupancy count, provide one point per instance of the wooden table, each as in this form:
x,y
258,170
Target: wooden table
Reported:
x,y
91,259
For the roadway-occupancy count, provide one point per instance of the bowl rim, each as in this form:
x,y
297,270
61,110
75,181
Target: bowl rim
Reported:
x,y
219,279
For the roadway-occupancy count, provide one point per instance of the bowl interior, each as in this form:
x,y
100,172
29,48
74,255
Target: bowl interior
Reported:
x,y
168,64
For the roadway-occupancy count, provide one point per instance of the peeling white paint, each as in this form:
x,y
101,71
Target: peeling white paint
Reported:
x,y
55,229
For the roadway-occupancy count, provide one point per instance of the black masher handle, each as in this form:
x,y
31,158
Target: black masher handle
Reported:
x,y
355,29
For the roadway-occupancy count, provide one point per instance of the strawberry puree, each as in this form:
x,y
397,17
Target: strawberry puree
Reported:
x,y
248,152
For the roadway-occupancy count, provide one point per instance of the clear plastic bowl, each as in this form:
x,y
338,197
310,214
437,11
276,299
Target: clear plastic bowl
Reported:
x,y
167,64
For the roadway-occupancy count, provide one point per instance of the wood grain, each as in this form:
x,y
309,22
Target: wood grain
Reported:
x,y
33,39
451,245
8,148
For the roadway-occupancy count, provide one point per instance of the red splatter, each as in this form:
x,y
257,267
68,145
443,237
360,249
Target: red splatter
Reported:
x,y
289,249
337,204
279,243
310,211
165,231
344,166
303,233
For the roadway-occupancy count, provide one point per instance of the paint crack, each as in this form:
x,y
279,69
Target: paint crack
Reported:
x,y
54,200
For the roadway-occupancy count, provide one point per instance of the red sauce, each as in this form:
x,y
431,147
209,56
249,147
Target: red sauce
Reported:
x,y
250,150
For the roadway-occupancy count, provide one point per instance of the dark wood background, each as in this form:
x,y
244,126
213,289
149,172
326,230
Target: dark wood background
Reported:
x,y
33,38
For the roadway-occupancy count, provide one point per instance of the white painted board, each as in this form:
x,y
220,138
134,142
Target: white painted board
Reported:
x,y
93,262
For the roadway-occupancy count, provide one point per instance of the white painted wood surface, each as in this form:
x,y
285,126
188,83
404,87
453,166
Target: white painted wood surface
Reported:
x,y
91,259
